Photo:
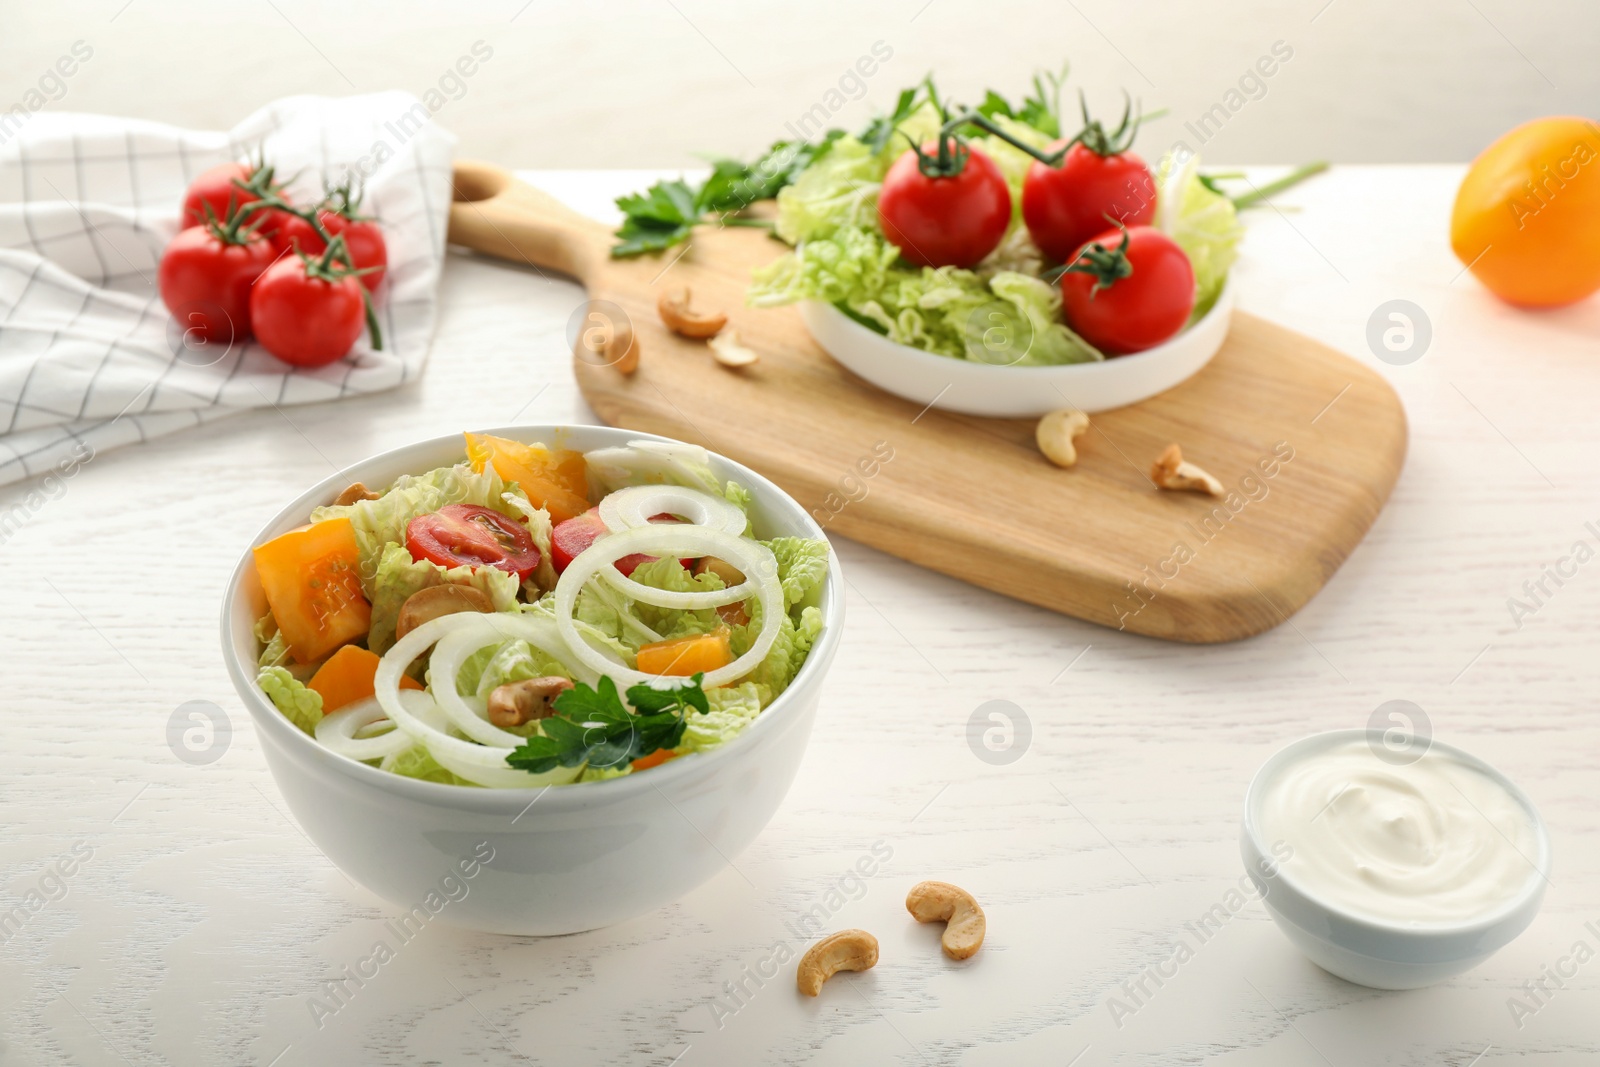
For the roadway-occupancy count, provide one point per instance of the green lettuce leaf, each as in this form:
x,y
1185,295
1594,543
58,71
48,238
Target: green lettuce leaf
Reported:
x,y
383,521
274,649
299,704
841,189
1204,223
513,661
671,575
802,566
418,762
1009,318
397,576
541,529
732,709
793,644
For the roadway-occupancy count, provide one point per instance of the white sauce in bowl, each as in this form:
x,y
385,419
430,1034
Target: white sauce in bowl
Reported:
x,y
1429,842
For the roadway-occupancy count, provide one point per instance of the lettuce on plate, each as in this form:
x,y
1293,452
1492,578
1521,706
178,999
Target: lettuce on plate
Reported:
x,y
1203,222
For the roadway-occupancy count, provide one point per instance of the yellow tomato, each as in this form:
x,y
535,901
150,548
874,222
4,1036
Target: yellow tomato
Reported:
x,y
1527,216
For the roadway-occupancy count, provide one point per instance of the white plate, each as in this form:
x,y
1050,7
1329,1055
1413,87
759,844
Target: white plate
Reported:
x,y
1017,392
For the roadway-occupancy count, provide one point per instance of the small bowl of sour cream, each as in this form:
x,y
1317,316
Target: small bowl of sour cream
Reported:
x,y
1393,869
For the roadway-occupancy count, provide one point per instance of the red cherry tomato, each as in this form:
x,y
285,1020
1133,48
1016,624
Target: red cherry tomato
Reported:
x,y
305,317
944,221
361,236
571,537
469,535
205,280
1148,303
1066,206
216,188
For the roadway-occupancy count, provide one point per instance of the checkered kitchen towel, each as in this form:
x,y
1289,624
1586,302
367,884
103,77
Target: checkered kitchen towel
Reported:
x,y
89,357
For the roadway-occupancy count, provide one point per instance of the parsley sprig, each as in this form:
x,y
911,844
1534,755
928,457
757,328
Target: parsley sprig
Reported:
x,y
592,726
668,211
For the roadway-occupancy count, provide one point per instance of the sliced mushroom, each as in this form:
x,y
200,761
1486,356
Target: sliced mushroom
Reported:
x,y
680,318
354,492
531,699
436,601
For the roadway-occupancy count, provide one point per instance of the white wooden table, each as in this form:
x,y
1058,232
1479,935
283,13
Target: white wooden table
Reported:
x,y
202,922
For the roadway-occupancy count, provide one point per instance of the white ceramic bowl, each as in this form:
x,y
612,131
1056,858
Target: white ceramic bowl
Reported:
x,y
570,858
1017,392
1382,955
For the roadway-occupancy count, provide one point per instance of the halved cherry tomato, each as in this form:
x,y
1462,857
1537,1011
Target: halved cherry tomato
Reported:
x,y
1068,205
1128,290
944,220
570,538
685,656
470,535
312,580
557,481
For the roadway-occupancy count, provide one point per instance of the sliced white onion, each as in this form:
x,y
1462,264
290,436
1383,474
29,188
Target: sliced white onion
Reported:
x,y
629,508
652,461
337,730
752,558
410,708
456,648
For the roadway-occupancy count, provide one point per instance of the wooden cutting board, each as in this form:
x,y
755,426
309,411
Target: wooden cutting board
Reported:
x,y
1309,441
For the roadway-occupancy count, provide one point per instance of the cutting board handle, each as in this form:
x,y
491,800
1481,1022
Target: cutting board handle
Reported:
x,y
494,213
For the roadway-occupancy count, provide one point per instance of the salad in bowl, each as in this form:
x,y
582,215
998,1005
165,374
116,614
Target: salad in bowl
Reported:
x,y
657,621
534,616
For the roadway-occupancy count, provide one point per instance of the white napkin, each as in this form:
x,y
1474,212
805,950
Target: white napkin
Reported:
x,y
89,357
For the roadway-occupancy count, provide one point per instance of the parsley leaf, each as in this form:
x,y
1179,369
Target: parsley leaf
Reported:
x,y
591,726
657,218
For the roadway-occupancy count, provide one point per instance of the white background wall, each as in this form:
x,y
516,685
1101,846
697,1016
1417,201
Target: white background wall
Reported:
x,y
655,82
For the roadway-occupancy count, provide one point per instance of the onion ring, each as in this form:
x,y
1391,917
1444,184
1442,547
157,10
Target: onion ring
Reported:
x,y
630,508
754,559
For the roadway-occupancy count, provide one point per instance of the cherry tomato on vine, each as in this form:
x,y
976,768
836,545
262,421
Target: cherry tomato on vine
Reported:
x,y
470,535
1128,290
365,241
951,219
339,214
228,187
1067,205
308,311
205,279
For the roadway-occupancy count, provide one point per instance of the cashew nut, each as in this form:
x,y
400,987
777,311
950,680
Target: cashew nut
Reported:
x,y
521,702
1055,435
673,307
353,493
1172,472
930,902
428,604
728,350
847,950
